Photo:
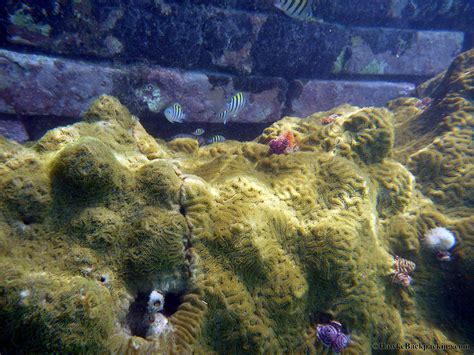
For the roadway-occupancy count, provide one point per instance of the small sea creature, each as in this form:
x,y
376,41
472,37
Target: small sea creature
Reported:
x,y
330,119
284,143
341,342
223,116
402,278
424,103
198,132
56,7
439,239
158,324
183,135
443,255
24,294
233,107
297,9
326,334
156,302
402,268
216,139
403,265
174,113
331,335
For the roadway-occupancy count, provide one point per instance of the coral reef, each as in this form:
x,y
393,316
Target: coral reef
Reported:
x,y
246,251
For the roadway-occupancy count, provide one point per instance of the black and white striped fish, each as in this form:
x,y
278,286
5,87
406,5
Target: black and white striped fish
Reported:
x,y
174,113
216,139
298,9
233,107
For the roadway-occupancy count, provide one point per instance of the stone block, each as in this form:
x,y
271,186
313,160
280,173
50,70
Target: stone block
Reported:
x,y
41,85
268,43
322,95
51,86
13,130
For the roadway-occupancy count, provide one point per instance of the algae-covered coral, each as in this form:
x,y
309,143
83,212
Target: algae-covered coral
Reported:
x,y
249,250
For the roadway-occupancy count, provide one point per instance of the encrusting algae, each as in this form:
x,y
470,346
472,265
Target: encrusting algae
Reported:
x,y
246,251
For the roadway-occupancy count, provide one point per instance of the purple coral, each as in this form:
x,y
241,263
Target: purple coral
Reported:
x,y
341,341
327,334
332,336
278,145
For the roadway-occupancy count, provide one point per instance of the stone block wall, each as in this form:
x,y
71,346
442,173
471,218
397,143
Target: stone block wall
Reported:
x,y
59,55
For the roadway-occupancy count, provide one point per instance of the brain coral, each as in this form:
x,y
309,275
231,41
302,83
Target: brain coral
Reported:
x,y
250,250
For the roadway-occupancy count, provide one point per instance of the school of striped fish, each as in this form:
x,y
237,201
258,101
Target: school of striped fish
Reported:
x,y
297,9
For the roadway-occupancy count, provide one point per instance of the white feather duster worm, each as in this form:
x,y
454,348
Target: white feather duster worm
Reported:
x,y
440,238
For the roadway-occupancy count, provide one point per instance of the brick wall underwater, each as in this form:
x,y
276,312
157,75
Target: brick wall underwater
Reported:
x,y
57,56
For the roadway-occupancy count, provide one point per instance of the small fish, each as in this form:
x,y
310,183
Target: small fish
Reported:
x,y
223,116
216,139
233,107
56,7
198,132
298,9
174,113
182,135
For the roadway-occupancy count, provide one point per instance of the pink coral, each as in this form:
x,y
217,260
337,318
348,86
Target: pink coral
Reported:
x,y
278,145
285,143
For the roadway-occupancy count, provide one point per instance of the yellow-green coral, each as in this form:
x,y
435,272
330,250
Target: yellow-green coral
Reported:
x,y
251,250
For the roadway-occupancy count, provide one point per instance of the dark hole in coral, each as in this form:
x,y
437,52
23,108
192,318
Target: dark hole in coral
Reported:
x,y
136,317
326,318
172,302
27,220
182,210
321,318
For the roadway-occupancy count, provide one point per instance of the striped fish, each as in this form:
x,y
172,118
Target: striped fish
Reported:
x,y
233,107
216,139
198,132
298,9
223,116
174,113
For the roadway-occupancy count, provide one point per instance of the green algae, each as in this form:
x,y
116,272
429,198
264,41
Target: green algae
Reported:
x,y
374,67
22,18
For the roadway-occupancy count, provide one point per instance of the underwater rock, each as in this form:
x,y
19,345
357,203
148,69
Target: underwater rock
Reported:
x,y
266,43
322,95
40,85
403,55
249,251
14,130
455,14
346,50
51,86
